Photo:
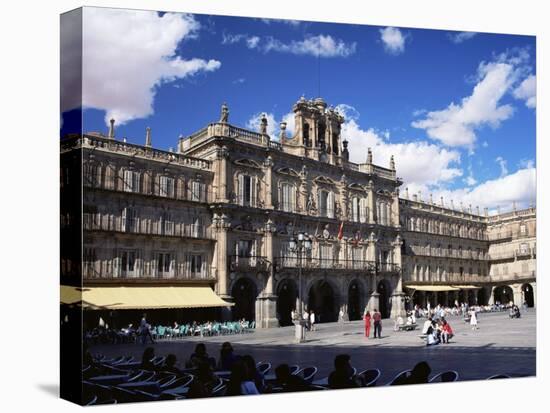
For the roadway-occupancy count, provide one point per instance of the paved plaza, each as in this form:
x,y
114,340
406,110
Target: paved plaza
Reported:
x,y
500,345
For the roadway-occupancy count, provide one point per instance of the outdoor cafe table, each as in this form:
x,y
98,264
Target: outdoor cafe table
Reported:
x,y
148,386
111,379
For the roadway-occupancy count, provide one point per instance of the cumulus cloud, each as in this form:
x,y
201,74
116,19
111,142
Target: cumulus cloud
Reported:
x,y
457,124
519,187
273,125
128,54
527,90
418,163
461,36
293,23
393,40
503,165
254,123
320,45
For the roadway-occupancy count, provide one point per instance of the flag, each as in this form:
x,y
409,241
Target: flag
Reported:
x,y
341,231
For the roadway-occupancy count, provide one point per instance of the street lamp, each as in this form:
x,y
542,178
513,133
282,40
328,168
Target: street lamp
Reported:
x,y
298,246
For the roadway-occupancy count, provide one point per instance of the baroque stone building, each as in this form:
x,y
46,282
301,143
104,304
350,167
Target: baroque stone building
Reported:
x,y
220,212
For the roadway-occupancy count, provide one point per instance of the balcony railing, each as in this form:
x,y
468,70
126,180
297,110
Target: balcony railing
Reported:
x,y
144,227
514,276
503,256
110,273
527,253
309,263
237,263
116,185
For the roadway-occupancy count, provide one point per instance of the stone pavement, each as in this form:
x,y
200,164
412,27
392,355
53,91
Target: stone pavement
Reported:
x,y
500,345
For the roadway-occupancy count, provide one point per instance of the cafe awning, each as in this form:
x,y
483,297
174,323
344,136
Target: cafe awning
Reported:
x,y
420,287
126,298
467,287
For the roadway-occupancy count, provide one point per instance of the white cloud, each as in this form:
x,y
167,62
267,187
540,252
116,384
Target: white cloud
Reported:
x,y
239,81
273,125
527,90
456,125
320,45
127,54
526,163
470,180
503,165
418,163
293,23
254,123
393,39
461,36
519,187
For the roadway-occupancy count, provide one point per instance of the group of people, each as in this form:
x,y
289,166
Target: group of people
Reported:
x,y
437,331
376,319
308,317
514,312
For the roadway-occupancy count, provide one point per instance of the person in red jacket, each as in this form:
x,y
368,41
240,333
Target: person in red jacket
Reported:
x,y
367,319
446,332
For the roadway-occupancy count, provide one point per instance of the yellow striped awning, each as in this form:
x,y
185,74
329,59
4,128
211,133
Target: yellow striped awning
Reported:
x,y
420,287
126,298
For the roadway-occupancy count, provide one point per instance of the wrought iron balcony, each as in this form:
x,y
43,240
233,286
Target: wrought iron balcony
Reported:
x,y
309,263
237,263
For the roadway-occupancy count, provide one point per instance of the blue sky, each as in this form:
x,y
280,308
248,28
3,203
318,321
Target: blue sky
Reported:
x,y
456,109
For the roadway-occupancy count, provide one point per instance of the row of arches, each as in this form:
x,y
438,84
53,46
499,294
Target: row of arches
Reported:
x,y
502,294
322,298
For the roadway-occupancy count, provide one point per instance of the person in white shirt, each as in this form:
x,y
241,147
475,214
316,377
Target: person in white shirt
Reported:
x,y
306,318
312,321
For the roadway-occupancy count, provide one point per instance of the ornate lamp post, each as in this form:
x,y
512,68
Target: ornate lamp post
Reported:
x,y
300,245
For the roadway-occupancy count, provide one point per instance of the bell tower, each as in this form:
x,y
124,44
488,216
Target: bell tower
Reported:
x,y
318,130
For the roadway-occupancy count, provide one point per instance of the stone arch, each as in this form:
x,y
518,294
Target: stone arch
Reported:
x,y
528,294
355,293
384,289
287,294
323,299
503,294
244,292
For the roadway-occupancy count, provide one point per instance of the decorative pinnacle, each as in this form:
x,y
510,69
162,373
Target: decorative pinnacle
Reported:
x,y
148,142
112,129
369,156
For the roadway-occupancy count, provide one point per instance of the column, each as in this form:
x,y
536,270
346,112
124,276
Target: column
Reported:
x,y
398,297
267,300
268,171
518,294
222,239
374,300
222,173
534,285
371,202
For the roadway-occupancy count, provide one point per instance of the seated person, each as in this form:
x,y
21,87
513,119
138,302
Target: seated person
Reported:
x,y
287,381
419,374
227,357
199,355
170,365
446,332
342,376
203,383
431,336
148,355
427,325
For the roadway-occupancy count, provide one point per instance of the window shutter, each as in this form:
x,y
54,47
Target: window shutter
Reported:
x,y
253,190
319,203
123,223
330,206
240,189
363,210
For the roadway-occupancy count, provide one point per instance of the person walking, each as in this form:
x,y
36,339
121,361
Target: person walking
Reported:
x,y
367,319
473,319
306,319
312,321
377,317
145,330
